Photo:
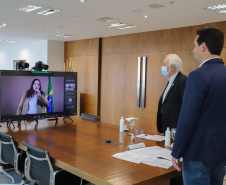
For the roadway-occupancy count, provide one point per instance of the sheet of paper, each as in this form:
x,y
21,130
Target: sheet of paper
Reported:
x,y
154,156
151,137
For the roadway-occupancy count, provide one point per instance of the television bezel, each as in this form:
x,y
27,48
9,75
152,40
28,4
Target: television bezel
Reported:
x,y
37,116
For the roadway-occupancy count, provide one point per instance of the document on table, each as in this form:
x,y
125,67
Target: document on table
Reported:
x,y
154,156
151,137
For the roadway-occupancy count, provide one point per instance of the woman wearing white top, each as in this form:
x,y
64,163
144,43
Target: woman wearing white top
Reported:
x,y
33,100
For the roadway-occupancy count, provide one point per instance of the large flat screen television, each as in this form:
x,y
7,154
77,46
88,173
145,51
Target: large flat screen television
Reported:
x,y
27,95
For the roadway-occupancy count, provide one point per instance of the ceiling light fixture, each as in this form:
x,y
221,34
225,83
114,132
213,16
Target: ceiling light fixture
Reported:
x,y
58,34
29,8
115,25
145,16
136,10
126,27
48,12
217,8
221,11
3,25
8,41
82,1
105,19
154,6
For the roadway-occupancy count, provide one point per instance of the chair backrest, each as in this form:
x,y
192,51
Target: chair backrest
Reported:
x,y
8,149
38,166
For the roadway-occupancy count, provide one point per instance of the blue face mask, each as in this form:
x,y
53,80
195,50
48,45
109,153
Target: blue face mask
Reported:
x,y
164,71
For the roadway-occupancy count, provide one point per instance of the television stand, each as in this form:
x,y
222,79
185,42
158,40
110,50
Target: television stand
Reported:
x,y
11,123
50,119
68,118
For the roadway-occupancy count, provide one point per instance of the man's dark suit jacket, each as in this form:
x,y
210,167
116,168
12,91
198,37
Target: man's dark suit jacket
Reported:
x,y
201,128
169,110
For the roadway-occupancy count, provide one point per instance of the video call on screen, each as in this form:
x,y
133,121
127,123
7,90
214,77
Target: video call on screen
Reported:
x,y
13,87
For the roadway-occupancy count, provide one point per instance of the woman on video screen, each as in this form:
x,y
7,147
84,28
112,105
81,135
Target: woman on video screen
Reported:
x,y
33,100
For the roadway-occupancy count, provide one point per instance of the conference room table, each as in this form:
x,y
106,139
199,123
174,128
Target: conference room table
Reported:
x,y
80,148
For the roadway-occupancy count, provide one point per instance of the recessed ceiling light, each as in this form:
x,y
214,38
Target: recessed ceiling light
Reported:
x,y
82,1
11,42
126,27
154,6
217,8
145,16
29,8
105,19
115,25
58,34
48,12
3,25
8,41
221,11
136,10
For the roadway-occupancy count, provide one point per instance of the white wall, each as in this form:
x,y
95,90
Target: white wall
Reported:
x,y
49,52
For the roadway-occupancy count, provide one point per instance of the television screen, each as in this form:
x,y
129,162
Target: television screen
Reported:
x,y
26,95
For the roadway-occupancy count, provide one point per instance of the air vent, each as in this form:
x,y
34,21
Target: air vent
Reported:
x,y
154,6
105,19
136,10
48,12
58,34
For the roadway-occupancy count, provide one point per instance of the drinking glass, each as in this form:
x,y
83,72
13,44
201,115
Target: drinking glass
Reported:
x,y
173,133
131,124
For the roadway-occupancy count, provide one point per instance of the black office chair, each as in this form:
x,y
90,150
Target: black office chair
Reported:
x,y
39,169
9,154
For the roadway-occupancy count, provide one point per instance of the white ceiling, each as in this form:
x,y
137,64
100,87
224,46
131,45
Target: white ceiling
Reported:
x,y
77,18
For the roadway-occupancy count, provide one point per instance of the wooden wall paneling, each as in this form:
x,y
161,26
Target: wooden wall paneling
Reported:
x,y
119,75
223,55
158,41
69,64
68,49
183,38
82,47
223,29
83,57
132,43
189,63
87,68
218,25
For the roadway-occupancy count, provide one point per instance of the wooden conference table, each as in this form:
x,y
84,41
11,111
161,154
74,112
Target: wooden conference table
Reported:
x,y
78,147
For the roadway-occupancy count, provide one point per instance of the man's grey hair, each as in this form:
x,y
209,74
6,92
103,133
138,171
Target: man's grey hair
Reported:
x,y
176,61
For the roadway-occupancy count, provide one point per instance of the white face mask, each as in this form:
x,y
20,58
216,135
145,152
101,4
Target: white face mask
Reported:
x,y
164,71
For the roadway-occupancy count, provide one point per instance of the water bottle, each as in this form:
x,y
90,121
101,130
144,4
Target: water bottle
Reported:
x,y
167,137
121,127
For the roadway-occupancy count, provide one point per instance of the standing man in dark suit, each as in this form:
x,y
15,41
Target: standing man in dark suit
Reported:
x,y
200,137
170,102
